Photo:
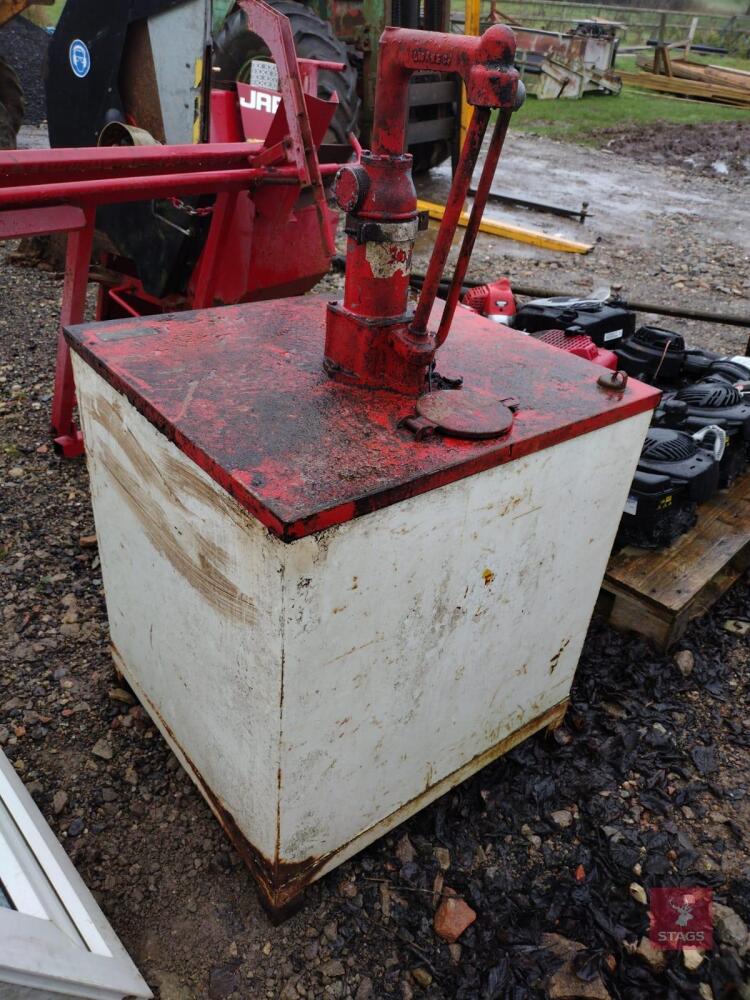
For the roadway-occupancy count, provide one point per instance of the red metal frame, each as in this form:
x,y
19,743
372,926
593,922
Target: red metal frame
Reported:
x,y
44,191
68,437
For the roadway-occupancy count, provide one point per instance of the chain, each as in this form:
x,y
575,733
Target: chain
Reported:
x,y
182,206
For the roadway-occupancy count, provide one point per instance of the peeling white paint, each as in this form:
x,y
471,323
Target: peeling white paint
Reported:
x,y
394,256
387,259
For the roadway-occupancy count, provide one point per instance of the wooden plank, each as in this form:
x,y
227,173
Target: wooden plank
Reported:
x,y
687,76
692,88
629,615
657,593
713,77
722,531
730,69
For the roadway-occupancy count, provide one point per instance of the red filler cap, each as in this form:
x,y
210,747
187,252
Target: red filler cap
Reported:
x,y
351,187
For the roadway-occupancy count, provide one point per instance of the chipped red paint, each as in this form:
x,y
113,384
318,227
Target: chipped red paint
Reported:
x,y
367,342
242,392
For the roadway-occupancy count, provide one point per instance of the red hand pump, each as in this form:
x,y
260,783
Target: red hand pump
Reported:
x,y
372,339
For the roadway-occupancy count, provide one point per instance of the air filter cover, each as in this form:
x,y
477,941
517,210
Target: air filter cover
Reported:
x,y
677,455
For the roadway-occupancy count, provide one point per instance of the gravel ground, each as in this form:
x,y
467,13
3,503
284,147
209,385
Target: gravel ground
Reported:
x,y
646,784
24,45
659,232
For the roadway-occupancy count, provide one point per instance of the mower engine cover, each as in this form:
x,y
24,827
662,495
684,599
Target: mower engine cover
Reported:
x,y
661,358
699,363
735,371
708,403
653,355
676,472
494,300
607,325
691,461
580,345
656,513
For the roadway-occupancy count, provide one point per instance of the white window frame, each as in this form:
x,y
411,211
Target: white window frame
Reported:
x,y
55,941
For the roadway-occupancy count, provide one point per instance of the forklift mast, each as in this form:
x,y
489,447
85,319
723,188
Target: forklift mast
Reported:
x,y
433,96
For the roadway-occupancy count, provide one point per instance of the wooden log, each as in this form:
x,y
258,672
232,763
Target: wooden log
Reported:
x,y
713,75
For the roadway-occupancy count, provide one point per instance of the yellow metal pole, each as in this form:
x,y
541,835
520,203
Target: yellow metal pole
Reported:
x,y
509,232
502,229
471,27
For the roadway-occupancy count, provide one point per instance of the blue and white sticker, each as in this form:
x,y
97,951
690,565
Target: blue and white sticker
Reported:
x,y
80,58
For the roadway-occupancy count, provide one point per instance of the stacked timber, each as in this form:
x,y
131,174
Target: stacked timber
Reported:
x,y
687,78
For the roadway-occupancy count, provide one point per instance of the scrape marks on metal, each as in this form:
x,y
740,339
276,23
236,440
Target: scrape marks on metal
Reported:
x,y
202,563
556,658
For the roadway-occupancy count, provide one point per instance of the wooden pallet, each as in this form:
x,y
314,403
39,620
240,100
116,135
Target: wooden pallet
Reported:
x,y
656,594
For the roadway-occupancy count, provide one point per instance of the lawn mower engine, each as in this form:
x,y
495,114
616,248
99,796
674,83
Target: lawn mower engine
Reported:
x,y
496,302
607,324
676,472
711,402
662,358
700,438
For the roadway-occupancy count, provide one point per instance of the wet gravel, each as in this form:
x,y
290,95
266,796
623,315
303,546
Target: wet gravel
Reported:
x,y
646,783
659,234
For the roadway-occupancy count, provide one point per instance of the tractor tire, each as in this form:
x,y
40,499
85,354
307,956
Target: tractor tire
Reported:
x,y
235,46
11,106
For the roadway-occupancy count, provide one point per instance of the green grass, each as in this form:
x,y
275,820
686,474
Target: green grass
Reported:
x,y
579,121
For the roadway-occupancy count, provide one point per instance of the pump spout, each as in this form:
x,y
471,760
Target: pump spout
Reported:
x,y
484,63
